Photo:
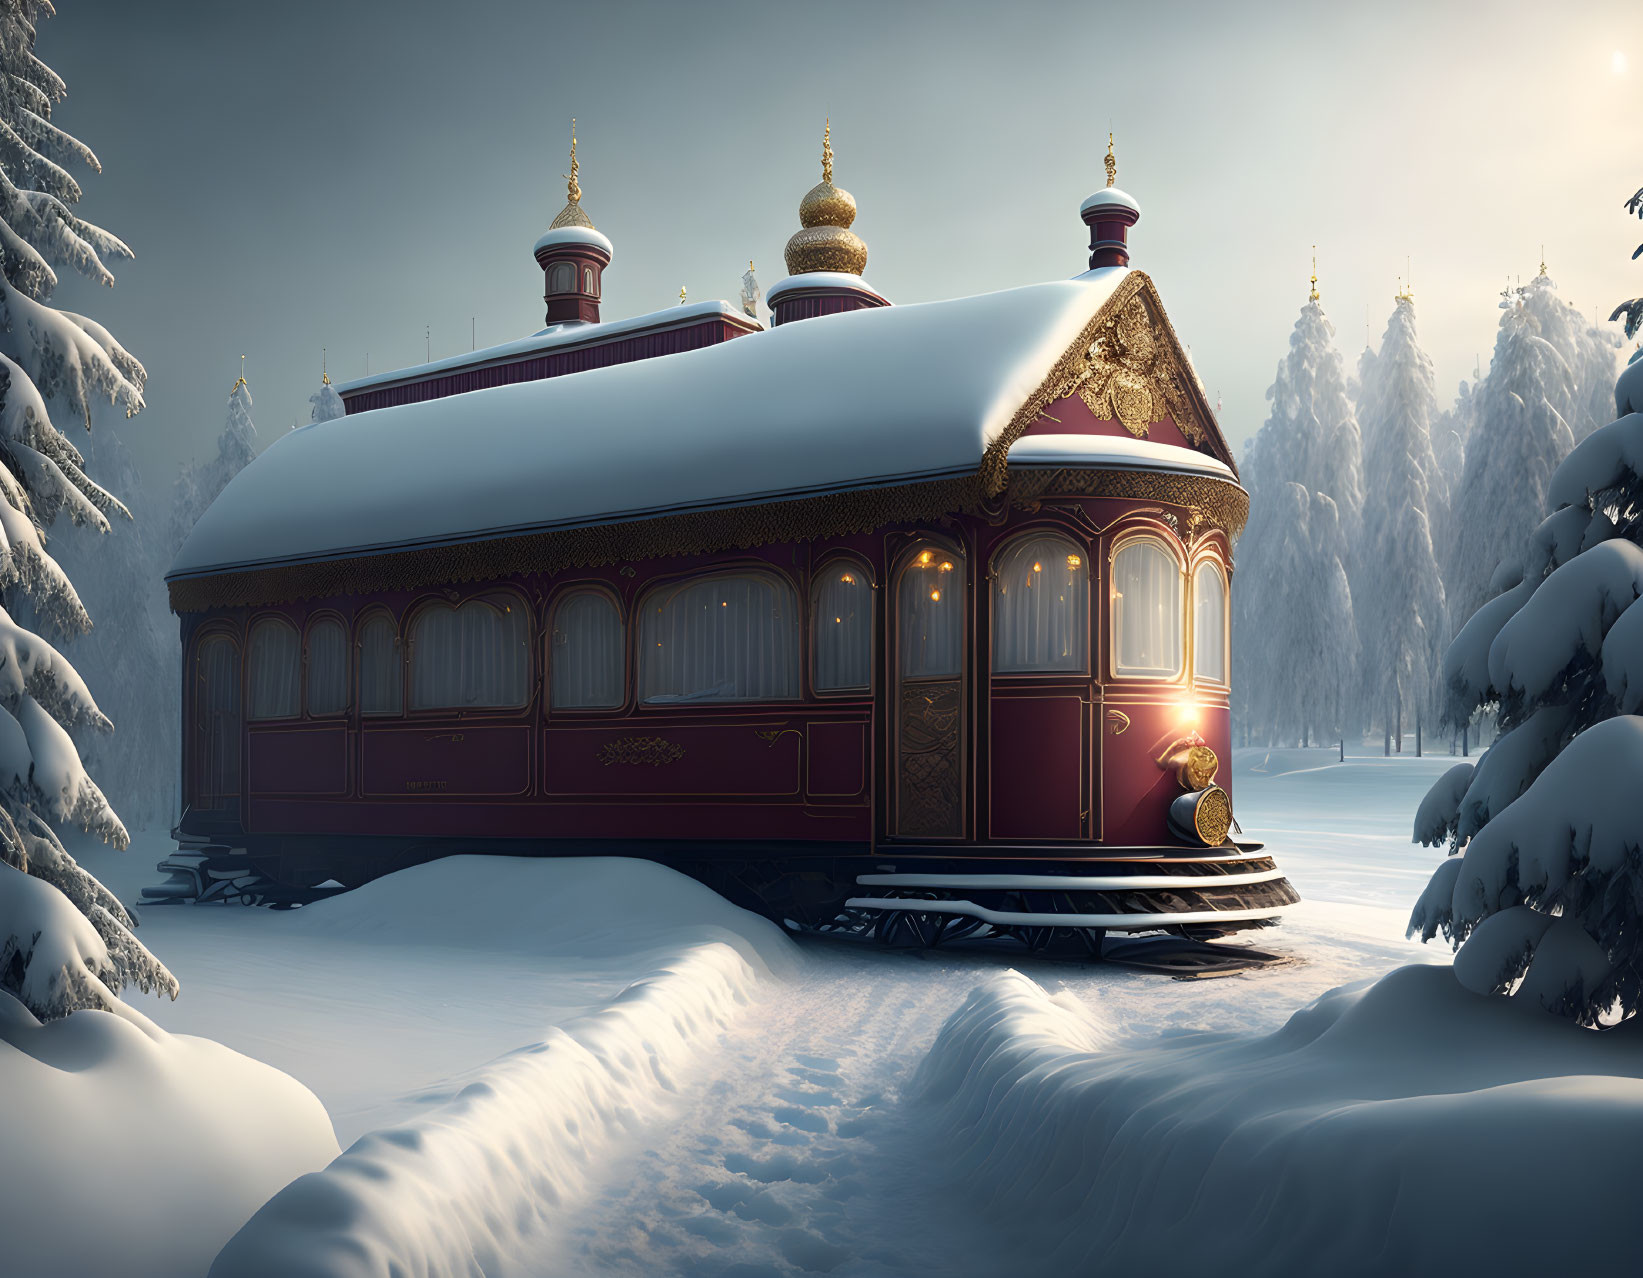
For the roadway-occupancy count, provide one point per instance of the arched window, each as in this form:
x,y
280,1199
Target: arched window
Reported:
x,y
1040,607
327,667
587,280
1147,586
586,660
381,683
841,617
732,637
930,616
475,656
273,663
561,277
1209,622
216,724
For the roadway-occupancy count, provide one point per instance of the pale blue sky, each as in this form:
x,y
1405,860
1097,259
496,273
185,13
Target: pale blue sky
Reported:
x,y
299,175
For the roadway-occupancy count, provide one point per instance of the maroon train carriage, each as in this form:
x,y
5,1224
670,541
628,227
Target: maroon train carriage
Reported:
x,y
903,620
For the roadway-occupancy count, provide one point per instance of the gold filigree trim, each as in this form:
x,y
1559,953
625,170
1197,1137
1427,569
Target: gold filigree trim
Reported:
x,y
650,751
1127,365
1205,499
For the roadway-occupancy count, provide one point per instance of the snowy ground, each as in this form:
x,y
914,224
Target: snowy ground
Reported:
x,y
783,1139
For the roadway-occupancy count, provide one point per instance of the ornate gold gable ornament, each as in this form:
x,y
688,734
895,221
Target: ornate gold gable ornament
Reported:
x,y
1124,366
1128,375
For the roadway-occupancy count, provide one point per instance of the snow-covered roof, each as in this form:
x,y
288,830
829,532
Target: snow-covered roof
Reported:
x,y
547,339
574,235
820,279
1120,452
868,398
1110,196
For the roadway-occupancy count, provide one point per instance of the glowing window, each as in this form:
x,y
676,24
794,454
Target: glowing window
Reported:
x,y
930,616
1147,585
841,613
1209,623
732,637
1041,607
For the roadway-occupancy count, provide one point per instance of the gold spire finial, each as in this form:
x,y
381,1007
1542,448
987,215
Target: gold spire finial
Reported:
x,y
242,381
324,374
827,150
681,295
1313,296
1111,162
573,188
1543,259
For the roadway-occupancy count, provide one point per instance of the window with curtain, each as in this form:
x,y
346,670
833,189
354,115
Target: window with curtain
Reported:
x,y
733,637
841,613
585,662
930,616
327,667
561,277
1209,623
1146,610
381,685
474,657
587,280
273,663
1040,607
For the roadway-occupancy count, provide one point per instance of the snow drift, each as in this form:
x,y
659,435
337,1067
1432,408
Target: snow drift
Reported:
x,y
136,1152
1402,1127
460,1189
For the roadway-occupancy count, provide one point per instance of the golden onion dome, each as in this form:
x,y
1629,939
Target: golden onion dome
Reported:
x,y
826,243
826,205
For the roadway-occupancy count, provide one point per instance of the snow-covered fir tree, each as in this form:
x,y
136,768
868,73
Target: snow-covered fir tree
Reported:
x,y
1397,587
325,404
65,941
1294,643
1543,892
199,483
1520,435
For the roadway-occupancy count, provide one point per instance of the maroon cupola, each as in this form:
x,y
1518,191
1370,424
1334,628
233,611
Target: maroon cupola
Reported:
x,y
1109,214
573,256
825,258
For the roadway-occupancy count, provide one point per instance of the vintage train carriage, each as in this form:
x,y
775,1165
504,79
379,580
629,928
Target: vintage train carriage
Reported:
x,y
905,618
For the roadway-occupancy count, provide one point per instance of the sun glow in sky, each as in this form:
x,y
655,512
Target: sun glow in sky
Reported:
x,y
1618,62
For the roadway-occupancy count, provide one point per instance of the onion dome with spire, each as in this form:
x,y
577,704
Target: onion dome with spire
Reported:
x,y
825,258
1109,214
573,255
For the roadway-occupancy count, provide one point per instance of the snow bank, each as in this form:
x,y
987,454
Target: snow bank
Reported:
x,y
530,906
131,1151
461,1188
1403,1127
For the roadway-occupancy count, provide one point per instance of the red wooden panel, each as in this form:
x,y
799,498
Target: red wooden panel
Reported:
x,y
1137,792
707,760
836,763
299,760
489,759
1036,767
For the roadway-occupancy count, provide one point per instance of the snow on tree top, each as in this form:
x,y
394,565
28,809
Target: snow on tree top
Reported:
x,y
868,398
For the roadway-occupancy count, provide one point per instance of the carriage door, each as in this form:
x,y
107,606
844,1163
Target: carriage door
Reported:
x,y
216,736
929,703
1039,705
